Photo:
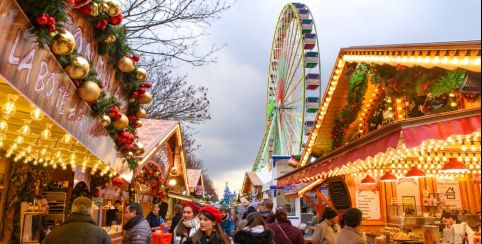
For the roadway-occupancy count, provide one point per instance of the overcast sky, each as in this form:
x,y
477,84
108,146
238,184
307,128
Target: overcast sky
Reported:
x,y
237,82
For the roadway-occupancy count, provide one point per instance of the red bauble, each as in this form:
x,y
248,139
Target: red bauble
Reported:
x,y
42,19
136,58
142,91
51,21
135,94
51,27
132,118
101,25
85,11
116,20
147,84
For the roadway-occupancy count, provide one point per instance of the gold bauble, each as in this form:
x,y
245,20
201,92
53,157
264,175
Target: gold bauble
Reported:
x,y
113,7
94,8
64,43
140,149
130,155
125,64
104,7
141,74
89,91
121,123
52,34
138,124
78,69
141,113
105,120
146,98
110,39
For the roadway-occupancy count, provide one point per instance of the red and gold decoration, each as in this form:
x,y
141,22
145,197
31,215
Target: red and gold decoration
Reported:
x,y
105,16
151,176
64,43
78,68
89,91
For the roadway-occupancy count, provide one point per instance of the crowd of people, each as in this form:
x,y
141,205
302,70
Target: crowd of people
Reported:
x,y
250,223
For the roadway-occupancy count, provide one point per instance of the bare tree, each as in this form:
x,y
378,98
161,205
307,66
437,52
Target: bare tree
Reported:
x,y
174,99
168,30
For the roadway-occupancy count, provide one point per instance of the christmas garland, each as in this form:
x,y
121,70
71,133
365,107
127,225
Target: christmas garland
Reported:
x,y
356,91
48,17
421,90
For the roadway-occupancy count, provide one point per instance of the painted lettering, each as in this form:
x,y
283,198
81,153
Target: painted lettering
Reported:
x,y
12,59
27,63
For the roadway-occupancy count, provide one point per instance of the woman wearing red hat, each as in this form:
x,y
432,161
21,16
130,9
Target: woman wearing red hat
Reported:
x,y
189,225
210,231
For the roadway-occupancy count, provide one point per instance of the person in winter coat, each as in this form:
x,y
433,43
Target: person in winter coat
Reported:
x,y
456,233
327,231
210,231
137,229
178,209
266,210
79,227
255,232
228,223
284,231
242,223
351,232
189,224
153,217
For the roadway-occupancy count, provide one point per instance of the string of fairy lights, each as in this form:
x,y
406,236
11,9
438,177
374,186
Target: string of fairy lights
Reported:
x,y
466,59
44,148
455,157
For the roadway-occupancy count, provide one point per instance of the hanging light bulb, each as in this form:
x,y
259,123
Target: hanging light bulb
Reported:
x,y
9,107
66,138
19,140
46,133
3,125
36,114
25,129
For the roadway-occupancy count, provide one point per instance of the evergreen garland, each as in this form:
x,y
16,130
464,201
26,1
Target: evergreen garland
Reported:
x,y
448,83
105,28
357,88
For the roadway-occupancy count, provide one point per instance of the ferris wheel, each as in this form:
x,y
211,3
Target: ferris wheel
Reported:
x,y
293,86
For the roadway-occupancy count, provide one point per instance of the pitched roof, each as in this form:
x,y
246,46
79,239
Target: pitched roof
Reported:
x,y
253,177
154,132
193,177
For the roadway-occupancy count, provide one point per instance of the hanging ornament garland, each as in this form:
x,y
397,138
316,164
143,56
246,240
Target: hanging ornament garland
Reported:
x,y
105,16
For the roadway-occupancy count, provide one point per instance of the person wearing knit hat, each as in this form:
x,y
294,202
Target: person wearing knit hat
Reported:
x,y
327,231
189,225
251,210
210,231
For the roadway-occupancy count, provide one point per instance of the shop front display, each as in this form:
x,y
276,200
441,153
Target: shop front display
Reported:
x,y
69,118
401,125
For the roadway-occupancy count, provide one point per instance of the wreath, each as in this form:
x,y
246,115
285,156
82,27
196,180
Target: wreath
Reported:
x,y
151,176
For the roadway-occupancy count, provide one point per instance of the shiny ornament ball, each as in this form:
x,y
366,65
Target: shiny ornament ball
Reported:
x,y
105,120
121,123
138,124
89,91
141,113
125,64
141,74
140,149
110,39
94,7
64,43
146,98
130,155
78,69
116,20
112,7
